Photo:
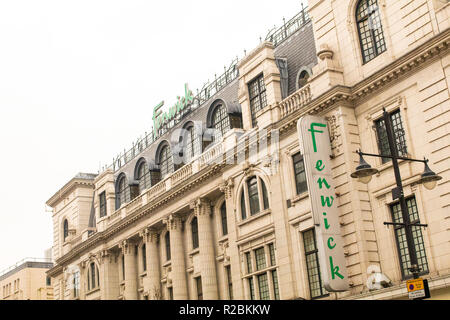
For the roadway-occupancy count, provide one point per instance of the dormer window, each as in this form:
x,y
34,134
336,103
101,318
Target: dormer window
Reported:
x,y
258,98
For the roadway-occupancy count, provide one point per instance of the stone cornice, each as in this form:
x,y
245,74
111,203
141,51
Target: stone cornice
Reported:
x,y
68,187
139,213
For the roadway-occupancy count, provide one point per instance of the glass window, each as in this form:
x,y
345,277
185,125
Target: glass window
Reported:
x,y
165,161
258,99
272,254
76,284
303,79
243,210
252,288
123,192
194,230
198,282
167,241
123,267
223,217
402,244
252,186
192,143
144,257
276,289
370,30
220,122
263,285
300,175
66,229
248,259
316,288
260,259
103,204
143,177
399,135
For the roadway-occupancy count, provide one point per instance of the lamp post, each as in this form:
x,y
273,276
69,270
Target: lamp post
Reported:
x,y
364,173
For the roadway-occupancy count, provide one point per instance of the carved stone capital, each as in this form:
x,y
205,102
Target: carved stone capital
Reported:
x,y
227,188
201,206
149,235
127,247
173,222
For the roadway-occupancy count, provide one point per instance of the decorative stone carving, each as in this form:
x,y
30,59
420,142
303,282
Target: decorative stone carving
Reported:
x,y
227,188
126,246
173,222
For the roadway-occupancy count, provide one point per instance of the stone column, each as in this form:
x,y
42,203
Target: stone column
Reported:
x,y
131,283
109,283
178,274
202,209
152,282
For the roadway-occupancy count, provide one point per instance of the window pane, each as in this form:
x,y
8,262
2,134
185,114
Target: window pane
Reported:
x,y
264,192
194,227
223,215
312,264
300,175
252,186
399,135
260,258
370,29
167,241
230,282
252,289
165,161
144,257
272,254
258,98
220,122
249,262
243,210
276,289
102,204
263,287
402,244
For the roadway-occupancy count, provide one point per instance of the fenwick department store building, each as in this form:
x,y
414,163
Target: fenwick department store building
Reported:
x,y
244,190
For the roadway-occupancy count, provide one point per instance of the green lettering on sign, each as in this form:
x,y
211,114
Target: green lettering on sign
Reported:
x,y
312,130
323,182
326,201
334,270
330,240
319,165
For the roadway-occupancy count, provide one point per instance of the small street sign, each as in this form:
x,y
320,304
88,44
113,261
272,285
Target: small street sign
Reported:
x,y
416,288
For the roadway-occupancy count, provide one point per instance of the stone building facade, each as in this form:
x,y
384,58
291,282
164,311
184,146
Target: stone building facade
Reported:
x,y
27,280
215,205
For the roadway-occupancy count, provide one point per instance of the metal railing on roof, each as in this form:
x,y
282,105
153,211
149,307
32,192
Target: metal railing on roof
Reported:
x,y
276,36
21,262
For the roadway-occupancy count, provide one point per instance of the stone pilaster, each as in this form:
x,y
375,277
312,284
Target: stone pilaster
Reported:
x,y
109,281
152,282
202,209
131,282
179,281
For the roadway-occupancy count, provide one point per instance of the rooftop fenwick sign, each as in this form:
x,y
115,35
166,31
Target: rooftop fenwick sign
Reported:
x,y
314,139
159,118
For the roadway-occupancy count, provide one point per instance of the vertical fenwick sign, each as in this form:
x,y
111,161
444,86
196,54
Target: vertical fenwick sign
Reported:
x,y
314,141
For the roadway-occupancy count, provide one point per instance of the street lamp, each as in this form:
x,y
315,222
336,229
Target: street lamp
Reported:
x,y
429,179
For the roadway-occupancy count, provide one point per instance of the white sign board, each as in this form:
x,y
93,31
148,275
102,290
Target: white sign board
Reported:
x,y
315,145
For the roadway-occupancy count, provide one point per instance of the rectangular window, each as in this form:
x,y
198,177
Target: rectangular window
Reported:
x,y
263,287
223,216
170,293
249,262
272,254
76,284
144,257
399,136
402,244
276,289
260,259
229,282
312,264
252,288
198,282
300,175
103,212
258,99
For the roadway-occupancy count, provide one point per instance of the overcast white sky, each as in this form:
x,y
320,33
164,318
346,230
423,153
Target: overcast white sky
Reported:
x,y
79,80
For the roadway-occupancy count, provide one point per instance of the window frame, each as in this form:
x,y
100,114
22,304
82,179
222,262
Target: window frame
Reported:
x,y
194,233
262,195
167,246
314,252
222,124
102,204
366,58
257,99
296,174
404,272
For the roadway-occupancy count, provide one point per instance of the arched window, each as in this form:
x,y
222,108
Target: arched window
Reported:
x,y
65,229
93,277
223,218
123,192
165,161
220,121
302,79
253,197
191,143
167,241
143,176
370,29
194,231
